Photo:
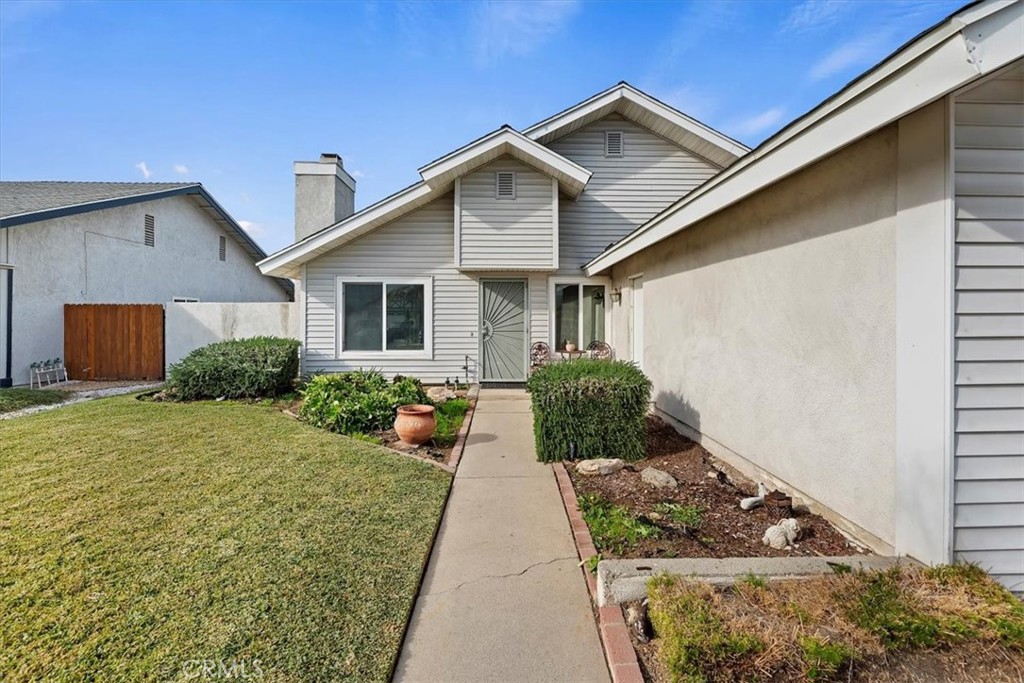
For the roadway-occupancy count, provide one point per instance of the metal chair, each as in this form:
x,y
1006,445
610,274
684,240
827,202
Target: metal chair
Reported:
x,y
600,351
540,354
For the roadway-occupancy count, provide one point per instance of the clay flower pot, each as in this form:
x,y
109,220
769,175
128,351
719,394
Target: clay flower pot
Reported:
x,y
570,348
415,424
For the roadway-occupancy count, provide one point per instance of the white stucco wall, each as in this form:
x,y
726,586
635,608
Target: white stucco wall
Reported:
x,y
187,326
770,329
100,257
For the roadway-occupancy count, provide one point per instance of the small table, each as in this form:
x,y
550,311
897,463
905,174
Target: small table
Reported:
x,y
569,355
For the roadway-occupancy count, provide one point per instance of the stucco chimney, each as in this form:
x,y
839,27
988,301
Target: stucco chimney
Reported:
x,y
324,194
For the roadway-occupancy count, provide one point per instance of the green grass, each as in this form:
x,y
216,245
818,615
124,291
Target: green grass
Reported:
x,y
135,537
16,399
449,417
687,515
613,527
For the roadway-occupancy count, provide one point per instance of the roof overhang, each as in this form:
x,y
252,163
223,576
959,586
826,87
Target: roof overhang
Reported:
x,y
648,112
571,177
976,41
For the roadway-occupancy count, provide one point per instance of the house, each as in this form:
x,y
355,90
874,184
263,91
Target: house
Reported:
x,y
839,312
113,243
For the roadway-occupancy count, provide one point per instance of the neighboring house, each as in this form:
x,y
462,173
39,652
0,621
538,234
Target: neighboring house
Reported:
x,y
79,242
840,311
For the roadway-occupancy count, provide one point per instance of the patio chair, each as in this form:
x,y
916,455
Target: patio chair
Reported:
x,y
540,354
600,351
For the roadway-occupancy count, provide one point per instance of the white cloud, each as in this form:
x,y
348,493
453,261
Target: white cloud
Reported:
x,y
254,229
859,52
181,169
516,27
144,169
759,123
356,173
812,15
685,98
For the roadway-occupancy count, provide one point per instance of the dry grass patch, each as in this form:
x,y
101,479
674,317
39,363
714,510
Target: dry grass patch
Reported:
x,y
830,628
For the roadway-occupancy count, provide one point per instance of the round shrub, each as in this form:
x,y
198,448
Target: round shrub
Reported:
x,y
242,368
359,401
589,408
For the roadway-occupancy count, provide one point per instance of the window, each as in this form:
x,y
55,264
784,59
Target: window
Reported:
x,y
378,316
223,249
579,314
613,143
149,231
505,185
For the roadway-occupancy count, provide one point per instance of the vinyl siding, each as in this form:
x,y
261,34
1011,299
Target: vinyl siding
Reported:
x,y
507,234
989,328
624,192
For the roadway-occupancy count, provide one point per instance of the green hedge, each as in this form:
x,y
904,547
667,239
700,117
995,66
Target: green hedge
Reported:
x,y
596,406
242,368
360,401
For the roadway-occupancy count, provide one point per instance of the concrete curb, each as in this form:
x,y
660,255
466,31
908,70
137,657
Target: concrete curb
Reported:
x,y
618,647
620,581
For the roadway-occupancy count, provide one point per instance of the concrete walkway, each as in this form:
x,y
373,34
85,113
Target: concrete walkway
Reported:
x,y
503,598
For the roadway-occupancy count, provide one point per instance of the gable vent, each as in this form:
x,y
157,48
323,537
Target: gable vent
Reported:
x,y
505,185
223,248
150,231
613,143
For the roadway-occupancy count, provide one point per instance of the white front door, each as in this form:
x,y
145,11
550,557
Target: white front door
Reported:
x,y
636,323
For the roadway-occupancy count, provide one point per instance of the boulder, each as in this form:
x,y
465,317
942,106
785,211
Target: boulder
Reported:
x,y
440,395
656,477
600,466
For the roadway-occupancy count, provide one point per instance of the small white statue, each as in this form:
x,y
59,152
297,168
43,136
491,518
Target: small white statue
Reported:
x,y
782,534
755,501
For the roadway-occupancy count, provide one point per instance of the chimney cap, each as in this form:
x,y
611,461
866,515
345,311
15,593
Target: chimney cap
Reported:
x,y
331,158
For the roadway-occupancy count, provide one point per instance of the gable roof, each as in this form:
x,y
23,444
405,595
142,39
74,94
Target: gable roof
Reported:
x,y
24,202
977,40
646,111
438,179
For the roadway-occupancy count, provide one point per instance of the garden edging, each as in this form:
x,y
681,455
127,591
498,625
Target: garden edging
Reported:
x,y
618,647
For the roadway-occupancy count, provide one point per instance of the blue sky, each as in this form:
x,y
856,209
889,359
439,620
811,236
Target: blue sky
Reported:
x,y
231,93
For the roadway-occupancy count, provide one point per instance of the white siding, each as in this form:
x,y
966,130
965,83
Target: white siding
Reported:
x,y
989,346
507,234
625,191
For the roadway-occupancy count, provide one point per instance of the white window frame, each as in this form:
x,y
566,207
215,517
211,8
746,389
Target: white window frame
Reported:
x,y
595,281
426,353
515,186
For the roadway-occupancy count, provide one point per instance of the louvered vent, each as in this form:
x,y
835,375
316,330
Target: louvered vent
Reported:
x,y
223,248
613,143
505,185
150,233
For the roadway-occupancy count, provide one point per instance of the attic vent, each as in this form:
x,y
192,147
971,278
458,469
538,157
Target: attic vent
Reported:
x,y
150,231
505,185
223,248
613,143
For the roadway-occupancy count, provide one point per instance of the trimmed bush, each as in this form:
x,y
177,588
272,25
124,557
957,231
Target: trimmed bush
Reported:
x,y
359,401
589,409
242,368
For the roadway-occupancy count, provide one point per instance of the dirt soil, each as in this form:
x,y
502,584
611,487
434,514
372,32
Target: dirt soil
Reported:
x,y
726,530
427,450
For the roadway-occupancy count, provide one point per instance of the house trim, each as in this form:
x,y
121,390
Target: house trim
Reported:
x,y
428,318
943,59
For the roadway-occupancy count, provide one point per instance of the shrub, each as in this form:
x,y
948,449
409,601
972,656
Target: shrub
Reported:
x,y
589,408
241,368
358,401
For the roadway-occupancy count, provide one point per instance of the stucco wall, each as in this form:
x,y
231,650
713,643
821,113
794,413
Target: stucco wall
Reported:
x,y
770,328
100,257
187,326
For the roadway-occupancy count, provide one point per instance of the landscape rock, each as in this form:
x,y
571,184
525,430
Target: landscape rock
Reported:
x,y
656,477
600,466
782,534
440,394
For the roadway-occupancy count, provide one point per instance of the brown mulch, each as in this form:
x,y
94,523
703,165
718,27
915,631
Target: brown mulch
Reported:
x,y
427,450
726,530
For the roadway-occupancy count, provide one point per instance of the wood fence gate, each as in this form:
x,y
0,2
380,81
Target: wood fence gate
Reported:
x,y
114,341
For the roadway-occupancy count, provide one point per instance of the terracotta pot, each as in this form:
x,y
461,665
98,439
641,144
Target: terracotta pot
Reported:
x,y
415,424
570,348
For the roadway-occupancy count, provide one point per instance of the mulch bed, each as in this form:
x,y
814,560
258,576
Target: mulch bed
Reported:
x,y
427,450
726,530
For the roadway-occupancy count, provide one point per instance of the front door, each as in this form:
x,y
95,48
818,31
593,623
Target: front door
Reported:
x,y
503,330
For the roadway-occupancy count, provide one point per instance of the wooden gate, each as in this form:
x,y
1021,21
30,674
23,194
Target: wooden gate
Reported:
x,y
114,341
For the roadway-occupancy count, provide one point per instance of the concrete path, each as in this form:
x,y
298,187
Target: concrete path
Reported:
x,y
503,598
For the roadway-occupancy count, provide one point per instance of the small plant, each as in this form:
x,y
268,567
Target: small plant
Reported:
x,y
612,526
368,438
449,416
592,562
754,581
822,660
688,515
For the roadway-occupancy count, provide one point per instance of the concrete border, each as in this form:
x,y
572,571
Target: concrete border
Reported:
x,y
618,647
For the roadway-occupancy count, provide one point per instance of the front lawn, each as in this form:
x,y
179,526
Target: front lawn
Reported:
x,y
17,399
137,538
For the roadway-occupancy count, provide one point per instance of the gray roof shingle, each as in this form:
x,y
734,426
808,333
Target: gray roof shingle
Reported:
x,y
21,197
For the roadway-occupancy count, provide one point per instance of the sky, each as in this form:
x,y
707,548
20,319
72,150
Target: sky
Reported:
x,y
230,94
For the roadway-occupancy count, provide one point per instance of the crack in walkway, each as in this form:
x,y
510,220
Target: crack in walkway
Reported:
x,y
501,576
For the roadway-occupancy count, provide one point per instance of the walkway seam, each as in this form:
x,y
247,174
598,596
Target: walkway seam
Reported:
x,y
502,576
618,647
